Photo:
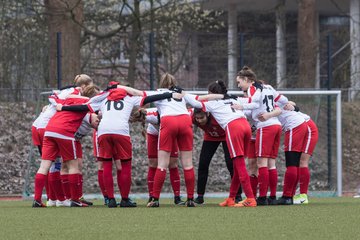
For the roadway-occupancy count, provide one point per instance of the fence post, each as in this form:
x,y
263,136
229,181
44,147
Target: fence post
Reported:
x,y
241,50
329,80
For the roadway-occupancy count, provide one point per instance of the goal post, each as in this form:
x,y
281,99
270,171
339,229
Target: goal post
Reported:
x,y
337,93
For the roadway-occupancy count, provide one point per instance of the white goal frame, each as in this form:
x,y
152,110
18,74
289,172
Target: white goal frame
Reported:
x,y
337,93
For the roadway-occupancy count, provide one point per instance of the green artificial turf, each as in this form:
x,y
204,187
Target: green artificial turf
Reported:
x,y
323,218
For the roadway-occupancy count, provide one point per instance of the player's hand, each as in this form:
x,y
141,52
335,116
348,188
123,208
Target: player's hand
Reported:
x,y
289,107
237,106
263,117
59,107
177,89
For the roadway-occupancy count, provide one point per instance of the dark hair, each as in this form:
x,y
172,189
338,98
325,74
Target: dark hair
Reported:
x,y
247,72
217,87
167,81
198,110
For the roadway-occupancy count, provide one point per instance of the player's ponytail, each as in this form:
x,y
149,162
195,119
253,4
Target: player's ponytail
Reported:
x,y
248,73
217,87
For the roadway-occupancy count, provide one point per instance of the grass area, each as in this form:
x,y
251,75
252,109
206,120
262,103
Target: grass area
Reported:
x,y
323,218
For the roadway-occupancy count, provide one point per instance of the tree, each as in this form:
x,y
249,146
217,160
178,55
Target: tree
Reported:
x,y
60,15
307,44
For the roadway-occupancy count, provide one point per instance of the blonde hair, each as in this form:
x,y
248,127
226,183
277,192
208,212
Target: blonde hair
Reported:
x,y
90,91
167,81
82,79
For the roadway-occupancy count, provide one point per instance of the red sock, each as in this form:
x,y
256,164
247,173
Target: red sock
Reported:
x,y
175,180
273,181
189,176
235,183
74,186
263,181
304,180
50,189
80,185
65,185
254,183
55,186
159,180
108,178
150,180
40,180
124,179
239,164
296,182
289,181
101,182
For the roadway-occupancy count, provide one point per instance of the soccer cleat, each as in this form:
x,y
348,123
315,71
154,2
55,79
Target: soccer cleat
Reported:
x,y
238,199
272,200
248,202
190,203
127,203
153,203
199,200
78,204
65,203
112,203
150,199
51,203
86,202
229,202
301,199
261,201
37,204
106,200
285,201
178,201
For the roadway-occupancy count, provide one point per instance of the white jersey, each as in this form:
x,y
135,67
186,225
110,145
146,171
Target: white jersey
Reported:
x,y
221,110
254,99
115,114
290,119
152,118
85,127
43,119
170,106
268,95
305,116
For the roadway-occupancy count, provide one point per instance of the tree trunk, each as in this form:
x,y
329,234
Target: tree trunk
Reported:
x,y
134,45
64,16
307,44
355,47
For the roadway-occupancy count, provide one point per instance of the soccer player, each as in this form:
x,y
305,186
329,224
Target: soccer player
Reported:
x,y
268,133
214,135
307,151
59,140
152,117
238,135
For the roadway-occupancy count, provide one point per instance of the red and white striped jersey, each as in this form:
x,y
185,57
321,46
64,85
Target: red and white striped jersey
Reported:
x,y
170,106
290,119
152,118
85,127
115,114
267,100
221,110
66,122
43,119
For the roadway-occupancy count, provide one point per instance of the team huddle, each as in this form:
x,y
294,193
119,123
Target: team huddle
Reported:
x,y
248,127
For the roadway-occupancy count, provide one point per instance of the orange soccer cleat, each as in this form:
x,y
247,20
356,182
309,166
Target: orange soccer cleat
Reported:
x,y
248,202
229,202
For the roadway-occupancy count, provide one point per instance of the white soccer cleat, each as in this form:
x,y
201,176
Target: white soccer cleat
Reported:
x,y
65,203
300,199
51,203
